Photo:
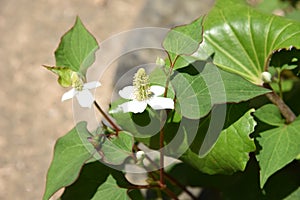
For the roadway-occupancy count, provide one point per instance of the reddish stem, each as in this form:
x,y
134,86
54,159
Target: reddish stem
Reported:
x,y
113,124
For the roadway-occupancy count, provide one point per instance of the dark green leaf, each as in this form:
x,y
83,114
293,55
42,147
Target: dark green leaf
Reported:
x,y
76,49
295,195
91,177
70,153
284,183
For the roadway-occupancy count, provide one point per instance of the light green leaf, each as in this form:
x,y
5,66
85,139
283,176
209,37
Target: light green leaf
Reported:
x,y
270,114
183,40
64,75
76,49
110,190
70,153
242,39
196,93
231,151
288,67
115,149
279,146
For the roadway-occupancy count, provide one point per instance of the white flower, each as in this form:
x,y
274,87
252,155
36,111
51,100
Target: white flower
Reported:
x,y
142,94
83,95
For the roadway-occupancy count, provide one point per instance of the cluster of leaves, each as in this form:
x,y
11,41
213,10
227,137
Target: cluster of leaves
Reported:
x,y
228,135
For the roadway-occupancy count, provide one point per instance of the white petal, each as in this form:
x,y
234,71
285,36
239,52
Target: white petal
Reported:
x,y
116,110
134,106
127,92
68,95
91,85
157,90
158,103
85,98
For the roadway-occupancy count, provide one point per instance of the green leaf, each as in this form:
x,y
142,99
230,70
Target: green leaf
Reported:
x,y
231,151
70,153
76,49
110,190
64,75
295,195
91,177
197,92
242,39
279,146
183,40
270,114
115,149
289,67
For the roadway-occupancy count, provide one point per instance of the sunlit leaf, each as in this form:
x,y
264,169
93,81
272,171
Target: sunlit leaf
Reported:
x,y
242,39
76,49
270,114
64,75
183,40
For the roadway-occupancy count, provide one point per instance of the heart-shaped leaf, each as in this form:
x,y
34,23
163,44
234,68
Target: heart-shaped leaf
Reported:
x,y
279,147
70,153
110,190
183,40
231,151
242,39
76,49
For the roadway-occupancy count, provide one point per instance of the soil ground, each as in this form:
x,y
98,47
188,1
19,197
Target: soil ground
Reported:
x,y
32,115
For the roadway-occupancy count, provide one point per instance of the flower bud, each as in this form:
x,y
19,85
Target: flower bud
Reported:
x,y
266,77
160,61
140,155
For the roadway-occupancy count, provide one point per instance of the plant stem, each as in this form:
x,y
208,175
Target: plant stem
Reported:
x,y
279,83
284,109
113,124
170,193
161,155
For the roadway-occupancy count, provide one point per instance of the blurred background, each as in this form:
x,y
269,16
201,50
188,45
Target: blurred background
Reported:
x,y
32,115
